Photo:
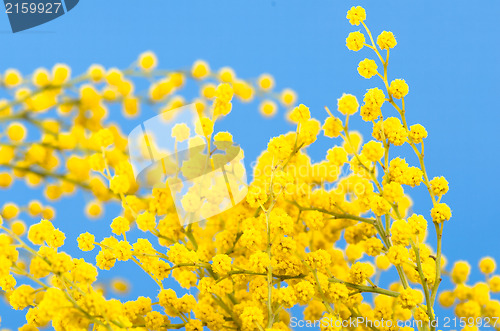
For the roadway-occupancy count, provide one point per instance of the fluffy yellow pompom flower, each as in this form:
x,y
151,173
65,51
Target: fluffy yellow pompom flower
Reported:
x,y
367,68
223,136
418,133
18,227
120,285
288,97
221,108
347,104
120,225
333,127
398,88
147,61
441,212
131,106
200,69
22,297
146,221
119,184
16,132
94,209
243,90
286,296
460,272
41,77
224,92
155,320
221,264
393,192
227,75
48,213
421,314
281,222
309,131
359,272
250,318
386,40
338,292
304,291
401,232
10,210
268,108
208,90
382,262
418,224
109,94
336,156
494,284
12,78
96,72
265,82
356,15
300,114
56,238
104,138
5,180
90,98
256,196
439,185
355,41
279,147
413,176
409,298
60,74
446,299
398,255
373,150
86,242
180,132
487,265
114,77
354,252
379,205
53,192
374,97
314,220
373,246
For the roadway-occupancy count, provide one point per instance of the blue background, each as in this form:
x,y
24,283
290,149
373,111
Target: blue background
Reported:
x,y
447,51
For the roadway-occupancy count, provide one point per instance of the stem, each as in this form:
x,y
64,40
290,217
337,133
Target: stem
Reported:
x,y
416,249
335,215
365,288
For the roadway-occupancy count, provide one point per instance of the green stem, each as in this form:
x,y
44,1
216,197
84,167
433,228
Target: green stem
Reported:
x,y
365,288
335,215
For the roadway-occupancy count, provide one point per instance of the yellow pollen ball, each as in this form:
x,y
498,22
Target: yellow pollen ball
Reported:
x,y
147,61
268,108
266,82
200,69
16,132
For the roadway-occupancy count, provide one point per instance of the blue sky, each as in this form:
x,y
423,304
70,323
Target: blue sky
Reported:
x,y
447,51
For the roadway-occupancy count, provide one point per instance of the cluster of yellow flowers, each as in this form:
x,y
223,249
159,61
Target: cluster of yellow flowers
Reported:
x,y
279,248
